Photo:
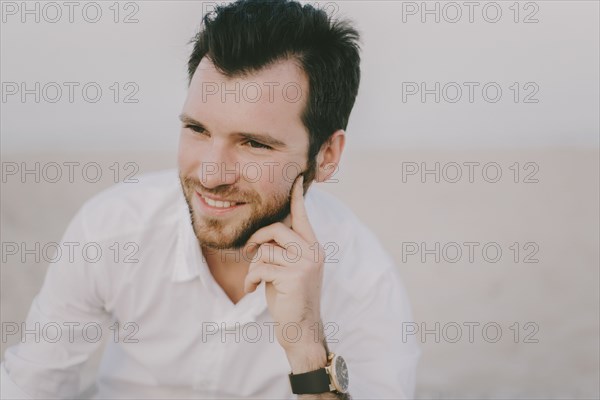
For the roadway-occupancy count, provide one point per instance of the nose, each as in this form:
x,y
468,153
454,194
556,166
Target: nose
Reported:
x,y
218,167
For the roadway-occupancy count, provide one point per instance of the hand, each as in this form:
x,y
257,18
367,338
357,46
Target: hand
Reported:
x,y
290,262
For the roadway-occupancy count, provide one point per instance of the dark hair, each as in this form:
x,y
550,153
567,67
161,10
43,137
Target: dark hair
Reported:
x,y
248,35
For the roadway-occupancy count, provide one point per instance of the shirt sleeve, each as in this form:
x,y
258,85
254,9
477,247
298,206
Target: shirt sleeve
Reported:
x,y
372,325
64,326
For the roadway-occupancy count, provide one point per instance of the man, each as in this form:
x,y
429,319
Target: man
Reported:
x,y
239,285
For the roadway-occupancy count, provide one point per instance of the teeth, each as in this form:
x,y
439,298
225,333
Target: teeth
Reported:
x,y
218,203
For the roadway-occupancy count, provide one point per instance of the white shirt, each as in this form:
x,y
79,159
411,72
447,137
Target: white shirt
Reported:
x,y
186,337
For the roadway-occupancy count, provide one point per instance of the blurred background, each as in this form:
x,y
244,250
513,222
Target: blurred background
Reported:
x,y
476,131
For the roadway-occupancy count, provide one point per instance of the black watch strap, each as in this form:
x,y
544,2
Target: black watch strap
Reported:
x,y
312,382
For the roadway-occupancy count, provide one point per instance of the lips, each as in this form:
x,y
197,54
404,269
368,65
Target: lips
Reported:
x,y
219,203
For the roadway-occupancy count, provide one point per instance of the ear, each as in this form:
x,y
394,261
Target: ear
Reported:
x,y
329,156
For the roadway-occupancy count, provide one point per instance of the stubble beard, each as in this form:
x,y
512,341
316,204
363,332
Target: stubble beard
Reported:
x,y
220,234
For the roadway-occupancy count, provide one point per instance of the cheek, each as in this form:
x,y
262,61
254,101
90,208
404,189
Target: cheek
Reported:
x,y
272,181
186,158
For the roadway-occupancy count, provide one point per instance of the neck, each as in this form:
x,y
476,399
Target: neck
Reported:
x,y
229,268
226,257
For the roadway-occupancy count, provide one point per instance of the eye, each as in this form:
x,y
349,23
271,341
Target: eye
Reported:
x,y
196,128
257,145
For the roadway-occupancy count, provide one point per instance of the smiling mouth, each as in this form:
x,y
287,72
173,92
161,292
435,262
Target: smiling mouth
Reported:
x,y
223,204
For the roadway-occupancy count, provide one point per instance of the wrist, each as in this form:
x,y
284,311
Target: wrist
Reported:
x,y
307,358
307,335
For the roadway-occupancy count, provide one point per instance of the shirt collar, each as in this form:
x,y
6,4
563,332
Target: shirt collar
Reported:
x,y
187,252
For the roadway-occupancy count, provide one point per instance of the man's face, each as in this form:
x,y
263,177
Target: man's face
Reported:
x,y
241,147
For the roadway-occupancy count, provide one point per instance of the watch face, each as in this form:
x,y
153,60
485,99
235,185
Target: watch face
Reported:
x,y
340,370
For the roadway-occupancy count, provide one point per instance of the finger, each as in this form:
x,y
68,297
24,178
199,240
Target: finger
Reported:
x,y
300,222
277,255
261,272
282,236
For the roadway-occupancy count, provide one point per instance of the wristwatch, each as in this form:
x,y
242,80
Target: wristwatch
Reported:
x,y
332,378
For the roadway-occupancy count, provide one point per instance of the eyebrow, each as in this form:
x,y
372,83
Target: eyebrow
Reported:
x,y
263,138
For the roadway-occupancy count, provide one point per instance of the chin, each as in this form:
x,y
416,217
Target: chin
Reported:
x,y
208,239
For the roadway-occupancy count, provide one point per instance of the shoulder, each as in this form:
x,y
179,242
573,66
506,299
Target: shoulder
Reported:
x,y
128,208
363,294
354,254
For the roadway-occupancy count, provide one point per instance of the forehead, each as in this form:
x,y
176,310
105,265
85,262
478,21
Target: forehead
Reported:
x,y
271,99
